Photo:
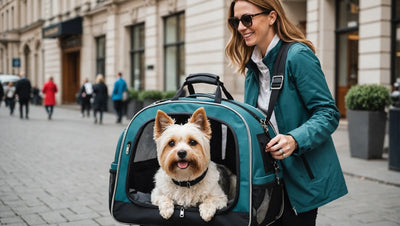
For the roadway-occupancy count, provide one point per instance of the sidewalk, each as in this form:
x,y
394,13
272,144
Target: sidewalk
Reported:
x,y
374,170
56,173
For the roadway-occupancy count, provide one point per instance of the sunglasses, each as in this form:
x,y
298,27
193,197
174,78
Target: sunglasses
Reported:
x,y
246,19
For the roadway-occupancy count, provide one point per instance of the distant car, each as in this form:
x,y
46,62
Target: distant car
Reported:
x,y
5,79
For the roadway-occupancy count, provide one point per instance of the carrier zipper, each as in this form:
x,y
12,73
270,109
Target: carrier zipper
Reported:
x,y
182,212
276,166
128,147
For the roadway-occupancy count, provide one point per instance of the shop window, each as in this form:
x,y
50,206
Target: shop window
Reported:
x,y
137,57
347,15
174,51
101,55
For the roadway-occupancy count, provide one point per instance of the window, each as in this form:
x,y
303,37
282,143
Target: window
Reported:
x,y
346,49
101,55
395,71
174,51
137,57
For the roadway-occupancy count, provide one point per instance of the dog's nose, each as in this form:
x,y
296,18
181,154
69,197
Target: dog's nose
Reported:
x,y
182,154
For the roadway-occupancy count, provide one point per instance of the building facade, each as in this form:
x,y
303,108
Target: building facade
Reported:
x,y
156,43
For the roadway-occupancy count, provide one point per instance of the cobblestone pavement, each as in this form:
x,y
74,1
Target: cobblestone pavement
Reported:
x,y
56,173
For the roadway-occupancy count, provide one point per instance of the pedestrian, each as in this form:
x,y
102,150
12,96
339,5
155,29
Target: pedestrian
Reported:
x,y
85,94
305,114
36,99
9,94
100,98
49,89
23,91
117,96
1,93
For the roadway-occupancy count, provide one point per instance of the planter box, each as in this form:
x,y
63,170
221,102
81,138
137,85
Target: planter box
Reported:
x,y
366,133
133,107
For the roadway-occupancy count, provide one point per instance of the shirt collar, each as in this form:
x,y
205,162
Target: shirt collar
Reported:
x,y
257,56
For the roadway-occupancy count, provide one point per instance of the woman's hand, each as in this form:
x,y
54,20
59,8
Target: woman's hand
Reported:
x,y
281,146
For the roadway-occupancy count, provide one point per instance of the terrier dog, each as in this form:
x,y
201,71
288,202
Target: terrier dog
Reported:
x,y
187,177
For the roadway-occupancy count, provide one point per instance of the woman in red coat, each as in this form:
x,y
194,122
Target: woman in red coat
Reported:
x,y
49,89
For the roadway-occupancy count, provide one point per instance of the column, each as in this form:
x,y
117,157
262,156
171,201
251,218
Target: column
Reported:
x,y
374,43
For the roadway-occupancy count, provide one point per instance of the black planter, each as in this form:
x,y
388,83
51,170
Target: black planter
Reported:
x,y
366,133
133,107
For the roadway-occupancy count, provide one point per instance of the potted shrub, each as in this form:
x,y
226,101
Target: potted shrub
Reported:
x,y
134,104
367,119
150,96
169,94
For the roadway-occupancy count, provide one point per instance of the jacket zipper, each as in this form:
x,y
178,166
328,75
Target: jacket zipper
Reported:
x,y
308,168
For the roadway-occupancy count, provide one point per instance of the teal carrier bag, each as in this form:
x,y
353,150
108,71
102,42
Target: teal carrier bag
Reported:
x,y
239,136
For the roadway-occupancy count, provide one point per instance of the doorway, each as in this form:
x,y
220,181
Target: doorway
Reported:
x,y
347,67
70,76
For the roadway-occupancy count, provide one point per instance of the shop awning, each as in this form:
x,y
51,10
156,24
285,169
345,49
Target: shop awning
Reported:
x,y
68,27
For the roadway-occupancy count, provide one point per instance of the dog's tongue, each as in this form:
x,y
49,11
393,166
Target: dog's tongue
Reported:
x,y
183,164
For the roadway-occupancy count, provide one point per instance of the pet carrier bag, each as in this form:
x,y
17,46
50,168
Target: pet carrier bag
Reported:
x,y
240,133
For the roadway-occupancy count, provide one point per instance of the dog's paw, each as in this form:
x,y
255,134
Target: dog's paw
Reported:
x,y
166,210
207,211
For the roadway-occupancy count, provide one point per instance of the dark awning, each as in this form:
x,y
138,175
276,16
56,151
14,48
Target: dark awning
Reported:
x,y
68,27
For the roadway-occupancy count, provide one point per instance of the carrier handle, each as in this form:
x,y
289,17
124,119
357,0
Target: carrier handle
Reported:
x,y
204,78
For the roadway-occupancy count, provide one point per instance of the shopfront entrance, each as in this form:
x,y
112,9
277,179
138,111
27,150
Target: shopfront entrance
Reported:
x,y
70,76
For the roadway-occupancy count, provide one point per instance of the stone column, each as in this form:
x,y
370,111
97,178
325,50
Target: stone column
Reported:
x,y
374,43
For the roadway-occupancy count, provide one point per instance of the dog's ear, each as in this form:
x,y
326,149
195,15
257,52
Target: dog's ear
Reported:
x,y
161,123
199,117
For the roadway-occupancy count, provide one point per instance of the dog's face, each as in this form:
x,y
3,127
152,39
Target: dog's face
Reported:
x,y
183,151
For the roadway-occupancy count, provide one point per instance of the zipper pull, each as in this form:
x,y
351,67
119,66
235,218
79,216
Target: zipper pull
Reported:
x,y
264,125
128,147
182,212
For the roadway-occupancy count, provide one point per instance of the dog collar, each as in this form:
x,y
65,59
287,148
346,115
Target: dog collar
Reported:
x,y
190,182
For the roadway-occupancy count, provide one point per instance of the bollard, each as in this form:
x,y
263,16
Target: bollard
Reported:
x,y
394,138
394,129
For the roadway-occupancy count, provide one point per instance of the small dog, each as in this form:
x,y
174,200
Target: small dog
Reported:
x,y
187,176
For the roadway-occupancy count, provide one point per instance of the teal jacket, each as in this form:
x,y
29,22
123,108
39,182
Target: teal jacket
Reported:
x,y
119,88
306,110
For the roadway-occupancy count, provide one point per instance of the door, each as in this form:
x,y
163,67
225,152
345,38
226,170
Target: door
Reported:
x,y
347,67
71,76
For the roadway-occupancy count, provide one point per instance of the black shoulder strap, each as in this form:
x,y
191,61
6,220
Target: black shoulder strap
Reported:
x,y
277,79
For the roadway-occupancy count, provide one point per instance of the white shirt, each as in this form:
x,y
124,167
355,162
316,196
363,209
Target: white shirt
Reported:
x,y
264,93
88,88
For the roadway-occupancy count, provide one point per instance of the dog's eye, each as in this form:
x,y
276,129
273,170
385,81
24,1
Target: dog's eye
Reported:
x,y
171,143
192,142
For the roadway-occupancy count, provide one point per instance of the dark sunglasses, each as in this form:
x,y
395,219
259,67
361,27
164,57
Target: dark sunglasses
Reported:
x,y
247,20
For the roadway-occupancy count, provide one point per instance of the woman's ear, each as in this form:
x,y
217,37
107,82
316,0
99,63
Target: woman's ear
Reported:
x,y
272,16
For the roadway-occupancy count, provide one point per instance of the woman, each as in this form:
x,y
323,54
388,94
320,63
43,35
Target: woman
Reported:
x,y
49,89
9,94
305,114
100,98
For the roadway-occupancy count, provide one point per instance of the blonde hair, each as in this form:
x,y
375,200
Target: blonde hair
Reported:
x,y
99,78
237,50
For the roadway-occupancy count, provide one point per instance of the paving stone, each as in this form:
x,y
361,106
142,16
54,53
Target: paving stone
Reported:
x,y
57,174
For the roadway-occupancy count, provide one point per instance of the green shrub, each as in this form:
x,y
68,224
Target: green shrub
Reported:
x,y
371,97
133,94
151,95
169,94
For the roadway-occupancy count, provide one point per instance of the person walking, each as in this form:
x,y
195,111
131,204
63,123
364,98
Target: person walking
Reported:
x,y
305,114
86,93
1,93
9,94
36,99
23,91
49,90
100,98
117,96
